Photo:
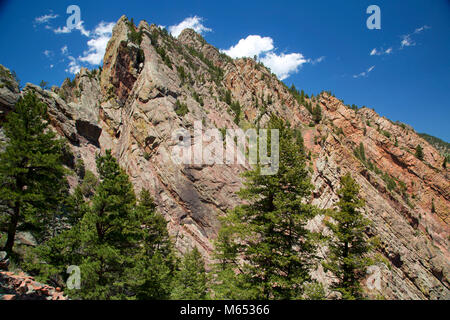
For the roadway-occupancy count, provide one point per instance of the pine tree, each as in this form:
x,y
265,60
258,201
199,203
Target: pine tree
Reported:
x,y
190,282
109,234
124,250
269,232
44,85
348,249
317,114
31,170
419,152
152,275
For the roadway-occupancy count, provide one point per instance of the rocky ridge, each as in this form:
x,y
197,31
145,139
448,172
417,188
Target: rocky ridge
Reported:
x,y
131,107
23,287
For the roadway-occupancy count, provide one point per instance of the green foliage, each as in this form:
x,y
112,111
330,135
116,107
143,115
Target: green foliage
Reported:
x,y
439,144
133,35
181,108
44,85
317,114
107,234
419,152
236,107
123,249
88,184
198,98
269,232
153,268
215,72
80,168
390,182
190,281
228,99
348,247
299,96
122,246
386,134
165,58
71,82
8,78
314,291
31,170
181,74
360,153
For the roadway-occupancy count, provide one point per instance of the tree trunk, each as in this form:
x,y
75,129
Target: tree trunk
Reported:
x,y
12,228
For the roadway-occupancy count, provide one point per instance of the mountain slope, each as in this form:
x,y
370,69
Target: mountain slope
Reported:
x,y
132,106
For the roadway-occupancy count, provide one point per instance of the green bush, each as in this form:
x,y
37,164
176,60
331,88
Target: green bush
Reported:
x,y
181,109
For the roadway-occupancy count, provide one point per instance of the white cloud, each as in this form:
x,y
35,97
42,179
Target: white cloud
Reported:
x,y
316,61
364,73
419,30
104,28
74,67
48,53
62,30
45,18
379,52
408,41
78,27
97,45
250,46
194,23
285,64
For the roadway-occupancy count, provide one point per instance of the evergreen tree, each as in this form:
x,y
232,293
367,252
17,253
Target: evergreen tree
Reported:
x,y
44,85
190,282
31,171
348,249
317,114
124,250
263,249
152,274
109,234
419,152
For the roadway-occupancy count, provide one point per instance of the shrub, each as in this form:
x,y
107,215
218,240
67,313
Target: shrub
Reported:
x,y
133,35
198,98
236,107
419,152
181,109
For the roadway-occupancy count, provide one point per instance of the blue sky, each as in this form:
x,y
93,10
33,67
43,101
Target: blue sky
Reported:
x,y
316,45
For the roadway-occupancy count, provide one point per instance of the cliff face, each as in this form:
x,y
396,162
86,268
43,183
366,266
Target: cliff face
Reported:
x,y
131,107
